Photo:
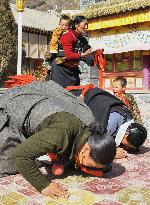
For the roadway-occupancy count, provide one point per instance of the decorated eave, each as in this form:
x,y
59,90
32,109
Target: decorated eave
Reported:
x,y
110,7
36,21
35,30
114,13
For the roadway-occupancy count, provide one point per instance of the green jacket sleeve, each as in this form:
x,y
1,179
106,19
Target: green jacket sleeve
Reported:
x,y
58,137
25,154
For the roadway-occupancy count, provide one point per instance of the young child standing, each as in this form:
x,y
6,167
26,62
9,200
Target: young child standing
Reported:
x,y
119,88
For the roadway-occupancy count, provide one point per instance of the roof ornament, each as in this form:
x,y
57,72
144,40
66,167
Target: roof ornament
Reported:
x,y
20,4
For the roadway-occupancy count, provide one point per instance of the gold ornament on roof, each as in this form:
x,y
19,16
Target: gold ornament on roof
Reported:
x,y
20,4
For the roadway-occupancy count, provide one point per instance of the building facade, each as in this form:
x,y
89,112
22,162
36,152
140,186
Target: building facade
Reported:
x,y
123,31
37,29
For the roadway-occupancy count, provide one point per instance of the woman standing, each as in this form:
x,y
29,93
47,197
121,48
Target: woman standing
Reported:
x,y
76,48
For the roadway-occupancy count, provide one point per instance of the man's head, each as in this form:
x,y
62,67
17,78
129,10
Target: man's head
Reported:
x,y
65,22
99,150
135,136
119,85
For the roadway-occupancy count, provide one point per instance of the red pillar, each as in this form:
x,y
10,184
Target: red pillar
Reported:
x,y
100,78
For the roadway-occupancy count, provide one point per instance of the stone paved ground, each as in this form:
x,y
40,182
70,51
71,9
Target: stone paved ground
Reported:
x,y
144,106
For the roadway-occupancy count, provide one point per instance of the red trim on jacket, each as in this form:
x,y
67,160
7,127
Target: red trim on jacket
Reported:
x,y
123,98
84,88
68,40
87,170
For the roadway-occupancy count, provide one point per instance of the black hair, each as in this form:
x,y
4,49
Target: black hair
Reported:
x,y
77,20
122,81
102,145
65,17
137,134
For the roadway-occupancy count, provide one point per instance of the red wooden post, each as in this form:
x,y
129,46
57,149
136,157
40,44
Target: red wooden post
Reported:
x,y
100,77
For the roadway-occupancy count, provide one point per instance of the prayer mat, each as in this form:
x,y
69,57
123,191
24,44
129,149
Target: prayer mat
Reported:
x,y
128,183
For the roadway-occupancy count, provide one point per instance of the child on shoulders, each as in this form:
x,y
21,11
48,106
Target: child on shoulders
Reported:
x,y
64,25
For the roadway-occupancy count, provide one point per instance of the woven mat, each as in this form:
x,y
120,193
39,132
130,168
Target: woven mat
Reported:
x,y
127,183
